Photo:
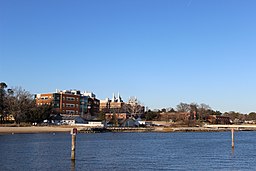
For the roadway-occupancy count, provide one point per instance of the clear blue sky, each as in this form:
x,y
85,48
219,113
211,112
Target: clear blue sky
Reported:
x,y
162,51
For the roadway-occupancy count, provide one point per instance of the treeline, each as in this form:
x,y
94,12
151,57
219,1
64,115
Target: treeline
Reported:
x,y
199,111
20,104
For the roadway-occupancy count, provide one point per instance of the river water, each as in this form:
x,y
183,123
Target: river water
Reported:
x,y
129,151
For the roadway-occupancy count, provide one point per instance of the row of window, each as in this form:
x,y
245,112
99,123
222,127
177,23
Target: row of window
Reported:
x,y
70,98
63,104
43,104
67,99
45,98
69,105
71,112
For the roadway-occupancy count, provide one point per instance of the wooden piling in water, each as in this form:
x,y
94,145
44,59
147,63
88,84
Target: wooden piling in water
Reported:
x,y
73,144
233,143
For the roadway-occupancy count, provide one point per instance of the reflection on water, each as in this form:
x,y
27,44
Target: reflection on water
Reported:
x,y
73,165
233,151
129,151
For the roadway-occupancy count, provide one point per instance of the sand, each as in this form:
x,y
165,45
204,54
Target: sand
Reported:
x,y
33,129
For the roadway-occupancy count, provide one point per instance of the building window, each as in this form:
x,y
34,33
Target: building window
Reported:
x,y
70,112
70,105
70,99
44,98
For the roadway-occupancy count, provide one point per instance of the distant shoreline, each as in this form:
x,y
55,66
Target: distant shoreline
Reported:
x,y
58,129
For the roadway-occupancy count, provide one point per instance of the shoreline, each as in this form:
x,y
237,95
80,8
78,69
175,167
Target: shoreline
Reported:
x,y
32,129
67,129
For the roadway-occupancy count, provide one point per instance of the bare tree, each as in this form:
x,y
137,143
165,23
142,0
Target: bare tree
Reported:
x,y
20,104
203,111
183,107
134,107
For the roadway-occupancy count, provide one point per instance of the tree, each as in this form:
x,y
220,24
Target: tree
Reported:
x,y
39,113
183,107
214,112
171,110
151,115
114,120
163,110
3,86
251,116
194,110
203,111
20,104
134,107
235,116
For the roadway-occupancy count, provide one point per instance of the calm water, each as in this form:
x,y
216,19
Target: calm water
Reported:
x,y
129,151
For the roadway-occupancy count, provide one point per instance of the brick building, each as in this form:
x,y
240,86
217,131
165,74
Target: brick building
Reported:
x,y
71,102
63,102
115,105
118,109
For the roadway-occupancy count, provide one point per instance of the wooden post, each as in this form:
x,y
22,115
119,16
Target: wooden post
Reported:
x,y
232,132
73,144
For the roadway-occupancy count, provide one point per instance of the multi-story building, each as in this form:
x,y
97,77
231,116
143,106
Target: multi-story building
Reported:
x,y
115,105
71,102
93,104
63,102
49,99
83,105
118,109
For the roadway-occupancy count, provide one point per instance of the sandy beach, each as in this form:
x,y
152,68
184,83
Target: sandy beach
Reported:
x,y
35,129
53,129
